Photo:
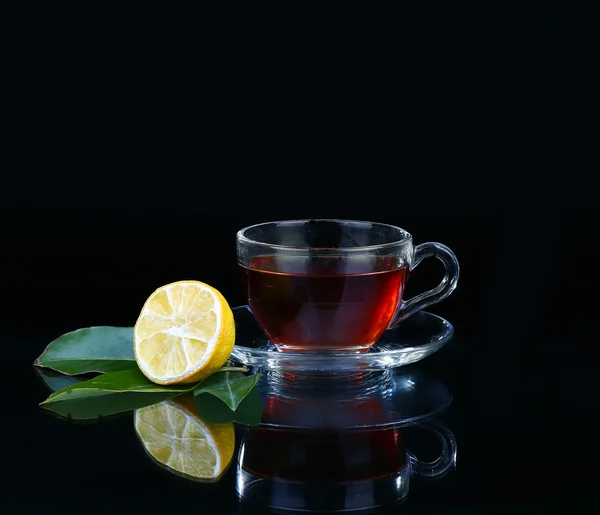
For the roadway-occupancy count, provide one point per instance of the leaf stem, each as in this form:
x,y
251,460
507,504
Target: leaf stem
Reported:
x,y
233,369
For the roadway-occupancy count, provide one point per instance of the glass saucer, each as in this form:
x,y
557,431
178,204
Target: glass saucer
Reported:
x,y
414,339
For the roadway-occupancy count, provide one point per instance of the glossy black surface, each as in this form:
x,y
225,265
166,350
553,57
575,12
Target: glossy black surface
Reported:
x,y
138,139
520,366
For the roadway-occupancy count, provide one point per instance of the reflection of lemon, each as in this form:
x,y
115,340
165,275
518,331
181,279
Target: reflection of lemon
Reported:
x,y
177,438
184,333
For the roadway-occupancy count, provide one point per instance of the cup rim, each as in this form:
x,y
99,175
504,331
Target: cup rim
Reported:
x,y
242,238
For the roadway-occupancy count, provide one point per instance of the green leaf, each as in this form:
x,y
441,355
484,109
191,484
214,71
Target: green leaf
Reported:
x,y
230,387
92,349
111,393
214,410
55,381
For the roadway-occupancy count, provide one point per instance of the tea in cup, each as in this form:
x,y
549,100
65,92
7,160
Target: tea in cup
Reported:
x,y
334,285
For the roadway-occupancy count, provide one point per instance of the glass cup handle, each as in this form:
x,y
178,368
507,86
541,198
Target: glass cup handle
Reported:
x,y
441,291
447,459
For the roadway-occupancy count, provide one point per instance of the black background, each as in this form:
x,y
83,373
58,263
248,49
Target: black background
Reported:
x,y
140,139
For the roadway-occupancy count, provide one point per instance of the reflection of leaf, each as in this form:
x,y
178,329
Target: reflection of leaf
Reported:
x,y
92,349
248,412
55,381
230,387
110,393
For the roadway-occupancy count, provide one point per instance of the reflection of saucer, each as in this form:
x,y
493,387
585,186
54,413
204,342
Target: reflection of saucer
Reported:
x,y
405,397
414,339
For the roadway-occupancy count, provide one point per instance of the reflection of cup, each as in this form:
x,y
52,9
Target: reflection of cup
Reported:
x,y
333,284
360,461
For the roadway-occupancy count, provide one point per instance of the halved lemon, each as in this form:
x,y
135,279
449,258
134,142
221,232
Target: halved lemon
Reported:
x,y
178,439
184,333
